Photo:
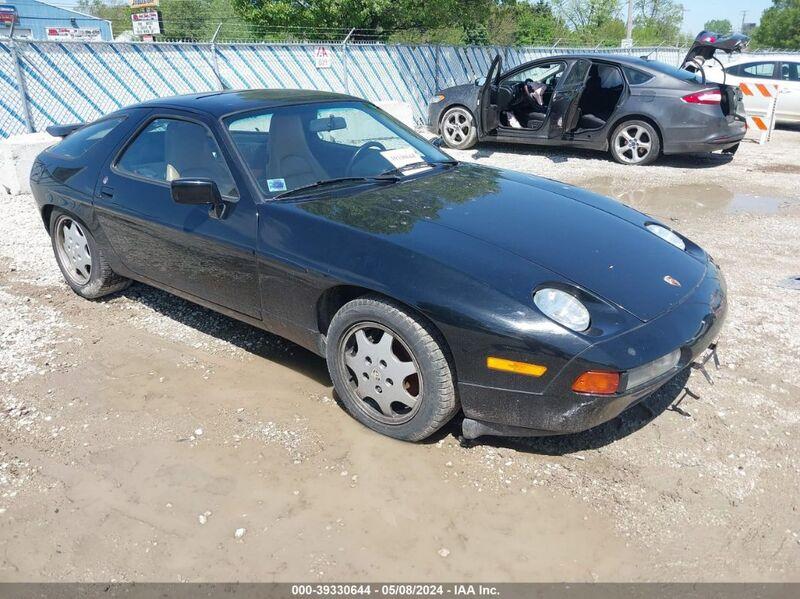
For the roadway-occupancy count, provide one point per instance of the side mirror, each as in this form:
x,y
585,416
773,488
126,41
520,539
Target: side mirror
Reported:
x,y
480,81
197,192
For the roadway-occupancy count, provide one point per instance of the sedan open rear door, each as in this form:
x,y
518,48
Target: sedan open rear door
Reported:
x,y
489,113
564,106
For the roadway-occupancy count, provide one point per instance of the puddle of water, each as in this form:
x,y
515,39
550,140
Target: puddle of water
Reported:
x,y
691,199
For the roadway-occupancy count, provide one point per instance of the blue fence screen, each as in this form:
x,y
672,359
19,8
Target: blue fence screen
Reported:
x,y
42,83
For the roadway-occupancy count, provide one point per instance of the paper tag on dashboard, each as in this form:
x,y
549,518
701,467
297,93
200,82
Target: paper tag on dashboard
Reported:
x,y
276,184
402,157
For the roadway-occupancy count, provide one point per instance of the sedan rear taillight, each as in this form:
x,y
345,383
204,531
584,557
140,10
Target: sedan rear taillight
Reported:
x,y
707,96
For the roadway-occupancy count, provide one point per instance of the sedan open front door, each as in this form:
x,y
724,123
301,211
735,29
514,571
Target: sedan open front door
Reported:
x,y
487,99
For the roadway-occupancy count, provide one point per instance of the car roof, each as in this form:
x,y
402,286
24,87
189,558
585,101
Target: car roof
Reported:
x,y
225,102
743,58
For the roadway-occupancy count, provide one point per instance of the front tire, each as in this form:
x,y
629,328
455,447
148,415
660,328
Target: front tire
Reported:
x,y
83,265
390,369
635,142
458,128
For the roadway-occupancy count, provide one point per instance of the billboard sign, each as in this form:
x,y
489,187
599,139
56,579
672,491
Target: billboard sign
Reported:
x,y
74,34
146,23
8,14
144,3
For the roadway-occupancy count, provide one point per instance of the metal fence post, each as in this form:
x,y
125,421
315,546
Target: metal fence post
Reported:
x,y
214,60
437,50
21,86
346,61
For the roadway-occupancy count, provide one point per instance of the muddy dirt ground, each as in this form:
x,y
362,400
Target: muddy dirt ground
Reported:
x,y
139,433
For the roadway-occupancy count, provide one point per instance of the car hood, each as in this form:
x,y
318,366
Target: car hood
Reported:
x,y
592,241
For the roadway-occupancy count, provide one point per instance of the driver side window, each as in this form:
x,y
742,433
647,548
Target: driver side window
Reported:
x,y
548,73
169,149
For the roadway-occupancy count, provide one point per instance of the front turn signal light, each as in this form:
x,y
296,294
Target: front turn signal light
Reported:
x,y
597,383
525,368
437,98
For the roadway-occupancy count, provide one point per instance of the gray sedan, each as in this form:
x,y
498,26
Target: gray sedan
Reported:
x,y
635,108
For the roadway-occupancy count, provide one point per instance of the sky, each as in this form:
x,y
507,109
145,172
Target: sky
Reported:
x,y
700,11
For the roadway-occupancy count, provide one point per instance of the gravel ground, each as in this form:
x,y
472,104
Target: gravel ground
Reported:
x,y
145,438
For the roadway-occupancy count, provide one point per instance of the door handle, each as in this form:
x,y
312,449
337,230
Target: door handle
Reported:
x,y
106,191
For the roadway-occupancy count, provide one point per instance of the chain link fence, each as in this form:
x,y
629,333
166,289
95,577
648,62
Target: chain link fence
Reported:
x,y
44,83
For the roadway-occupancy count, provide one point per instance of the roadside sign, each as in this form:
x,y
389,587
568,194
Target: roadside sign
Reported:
x,y
323,57
626,43
146,23
144,3
74,34
8,14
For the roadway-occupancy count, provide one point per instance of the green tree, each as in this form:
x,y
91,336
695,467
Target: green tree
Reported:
x,y
585,16
118,14
657,21
721,26
780,25
536,23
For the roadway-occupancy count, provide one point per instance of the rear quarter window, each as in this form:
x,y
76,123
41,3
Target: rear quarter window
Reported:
x,y
78,142
635,76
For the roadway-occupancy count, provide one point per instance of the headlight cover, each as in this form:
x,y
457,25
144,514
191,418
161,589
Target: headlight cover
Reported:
x,y
653,370
562,307
666,235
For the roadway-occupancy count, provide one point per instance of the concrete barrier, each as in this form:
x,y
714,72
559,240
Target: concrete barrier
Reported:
x,y
17,154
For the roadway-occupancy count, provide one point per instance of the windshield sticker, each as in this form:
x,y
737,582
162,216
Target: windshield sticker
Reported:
x,y
276,184
402,157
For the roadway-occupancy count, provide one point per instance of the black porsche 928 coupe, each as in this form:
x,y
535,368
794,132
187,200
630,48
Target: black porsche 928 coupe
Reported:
x,y
635,108
430,286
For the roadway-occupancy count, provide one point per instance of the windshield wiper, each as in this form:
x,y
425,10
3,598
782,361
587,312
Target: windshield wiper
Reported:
x,y
382,178
416,165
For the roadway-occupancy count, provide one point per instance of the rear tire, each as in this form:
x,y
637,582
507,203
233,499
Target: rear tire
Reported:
x,y
81,261
402,385
458,128
635,143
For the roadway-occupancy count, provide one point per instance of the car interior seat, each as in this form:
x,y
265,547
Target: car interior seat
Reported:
x,y
290,158
603,90
189,152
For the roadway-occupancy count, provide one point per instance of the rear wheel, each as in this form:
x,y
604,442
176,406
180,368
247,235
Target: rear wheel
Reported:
x,y
83,265
390,369
458,128
635,142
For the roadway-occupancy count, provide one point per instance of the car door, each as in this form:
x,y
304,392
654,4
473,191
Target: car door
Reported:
x,y
564,113
789,99
752,74
487,98
187,248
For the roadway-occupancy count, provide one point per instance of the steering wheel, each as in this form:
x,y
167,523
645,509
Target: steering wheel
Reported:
x,y
358,154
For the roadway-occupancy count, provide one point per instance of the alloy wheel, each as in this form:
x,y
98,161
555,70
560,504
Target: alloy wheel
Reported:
x,y
73,251
457,126
633,144
383,373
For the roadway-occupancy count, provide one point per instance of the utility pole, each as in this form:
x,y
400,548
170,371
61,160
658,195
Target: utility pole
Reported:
x,y
629,28
744,16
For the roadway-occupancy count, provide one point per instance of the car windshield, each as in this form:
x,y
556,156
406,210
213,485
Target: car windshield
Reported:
x,y
681,74
295,147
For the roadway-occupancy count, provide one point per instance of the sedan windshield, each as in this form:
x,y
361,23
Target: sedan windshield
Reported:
x,y
295,147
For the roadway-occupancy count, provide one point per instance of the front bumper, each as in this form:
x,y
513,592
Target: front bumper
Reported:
x,y
434,116
692,327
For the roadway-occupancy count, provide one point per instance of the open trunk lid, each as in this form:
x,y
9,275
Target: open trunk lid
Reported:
x,y
706,45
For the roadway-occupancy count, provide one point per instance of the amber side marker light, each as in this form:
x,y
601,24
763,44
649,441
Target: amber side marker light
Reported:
x,y
515,367
597,383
